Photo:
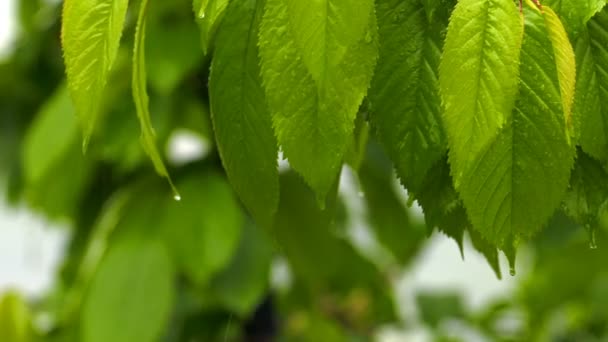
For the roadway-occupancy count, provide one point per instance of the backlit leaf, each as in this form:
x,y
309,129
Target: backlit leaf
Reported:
x,y
564,58
90,35
512,187
478,76
317,62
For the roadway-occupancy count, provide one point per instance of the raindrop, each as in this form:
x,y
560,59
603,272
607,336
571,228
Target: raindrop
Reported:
x,y
177,197
592,241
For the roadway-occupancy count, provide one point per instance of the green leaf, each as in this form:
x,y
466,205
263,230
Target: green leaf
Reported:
x,y
404,96
576,13
564,58
242,122
512,186
50,136
591,100
478,76
356,151
209,14
240,286
387,214
317,63
90,35
436,308
440,8
130,297
489,251
335,267
171,56
15,319
140,96
203,229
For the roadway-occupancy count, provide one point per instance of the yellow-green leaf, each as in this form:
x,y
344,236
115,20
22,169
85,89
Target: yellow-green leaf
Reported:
x,y
90,35
140,96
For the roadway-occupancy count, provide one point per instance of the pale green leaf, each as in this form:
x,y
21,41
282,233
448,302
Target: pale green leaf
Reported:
x,y
140,96
209,14
90,34
203,229
50,137
404,96
131,295
591,100
478,76
564,59
317,63
242,122
512,187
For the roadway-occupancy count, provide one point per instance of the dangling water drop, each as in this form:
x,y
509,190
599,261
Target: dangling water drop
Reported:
x,y
592,241
177,197
511,253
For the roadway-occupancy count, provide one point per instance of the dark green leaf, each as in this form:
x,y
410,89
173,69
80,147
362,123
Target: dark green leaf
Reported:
x,y
242,123
131,295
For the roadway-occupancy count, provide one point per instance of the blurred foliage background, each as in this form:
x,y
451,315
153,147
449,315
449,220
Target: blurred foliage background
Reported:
x,y
140,266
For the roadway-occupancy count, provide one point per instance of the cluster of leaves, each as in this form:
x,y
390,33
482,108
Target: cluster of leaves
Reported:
x,y
492,117
491,86
139,264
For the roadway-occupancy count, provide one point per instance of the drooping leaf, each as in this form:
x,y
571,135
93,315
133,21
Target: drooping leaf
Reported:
x,y
131,295
209,14
489,251
243,127
90,34
591,100
512,186
203,229
478,76
140,96
404,96
564,59
317,62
